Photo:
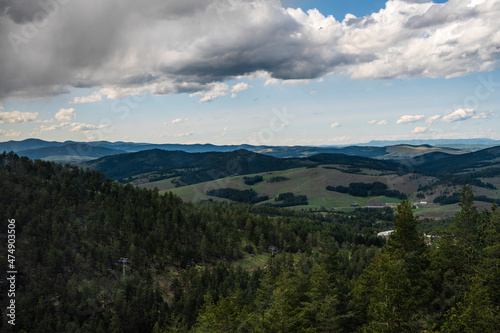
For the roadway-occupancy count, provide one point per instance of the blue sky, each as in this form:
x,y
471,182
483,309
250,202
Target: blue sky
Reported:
x,y
258,72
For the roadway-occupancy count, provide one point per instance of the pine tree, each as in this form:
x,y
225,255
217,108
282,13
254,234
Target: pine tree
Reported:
x,y
406,238
393,290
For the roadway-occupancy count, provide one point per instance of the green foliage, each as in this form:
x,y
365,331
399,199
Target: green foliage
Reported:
x,y
447,200
367,189
246,196
277,179
329,274
476,314
406,238
393,291
252,180
289,199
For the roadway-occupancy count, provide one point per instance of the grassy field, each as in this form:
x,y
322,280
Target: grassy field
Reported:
x,y
312,182
253,262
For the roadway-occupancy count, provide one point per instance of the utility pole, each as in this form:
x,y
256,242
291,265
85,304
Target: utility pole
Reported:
x,y
124,261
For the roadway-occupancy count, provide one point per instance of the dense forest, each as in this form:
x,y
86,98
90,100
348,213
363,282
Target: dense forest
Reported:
x,y
288,199
328,272
367,189
246,196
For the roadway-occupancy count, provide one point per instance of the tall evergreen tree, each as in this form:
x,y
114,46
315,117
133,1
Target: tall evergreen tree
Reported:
x,y
406,238
393,290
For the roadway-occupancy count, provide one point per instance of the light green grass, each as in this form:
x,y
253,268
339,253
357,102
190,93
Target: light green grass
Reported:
x,y
162,185
249,262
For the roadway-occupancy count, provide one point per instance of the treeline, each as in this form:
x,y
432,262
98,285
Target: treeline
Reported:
x,y
470,179
447,199
406,287
277,179
252,180
289,199
367,190
455,198
245,196
73,225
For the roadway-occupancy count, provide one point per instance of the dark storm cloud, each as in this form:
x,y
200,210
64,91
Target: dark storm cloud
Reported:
x,y
126,47
20,11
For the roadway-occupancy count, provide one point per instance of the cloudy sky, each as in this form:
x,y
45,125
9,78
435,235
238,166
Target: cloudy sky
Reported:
x,y
290,72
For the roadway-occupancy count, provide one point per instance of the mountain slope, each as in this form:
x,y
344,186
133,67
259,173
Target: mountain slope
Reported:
x,y
27,144
191,167
354,161
71,150
459,163
389,152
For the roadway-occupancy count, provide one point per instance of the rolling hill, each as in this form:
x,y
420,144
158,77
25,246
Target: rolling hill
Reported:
x,y
388,152
70,152
442,164
191,168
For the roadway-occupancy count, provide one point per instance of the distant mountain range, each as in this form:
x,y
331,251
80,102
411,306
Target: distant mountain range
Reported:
x,y
194,168
436,142
74,152
431,172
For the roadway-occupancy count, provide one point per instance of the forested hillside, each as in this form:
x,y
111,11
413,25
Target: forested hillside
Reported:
x,y
185,273
191,168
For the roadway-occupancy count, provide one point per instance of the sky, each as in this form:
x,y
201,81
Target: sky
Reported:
x,y
261,72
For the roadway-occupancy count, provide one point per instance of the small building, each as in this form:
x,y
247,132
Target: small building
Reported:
x,y
385,233
355,205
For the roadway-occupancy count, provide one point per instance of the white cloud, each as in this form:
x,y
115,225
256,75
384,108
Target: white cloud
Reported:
x,y
271,81
433,119
421,130
408,119
474,3
42,129
465,114
312,92
377,122
65,114
10,134
216,90
73,127
157,49
179,120
176,135
274,81
334,125
459,115
85,128
239,87
485,115
95,97
17,117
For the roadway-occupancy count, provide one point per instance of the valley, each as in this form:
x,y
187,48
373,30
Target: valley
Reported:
x,y
429,176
